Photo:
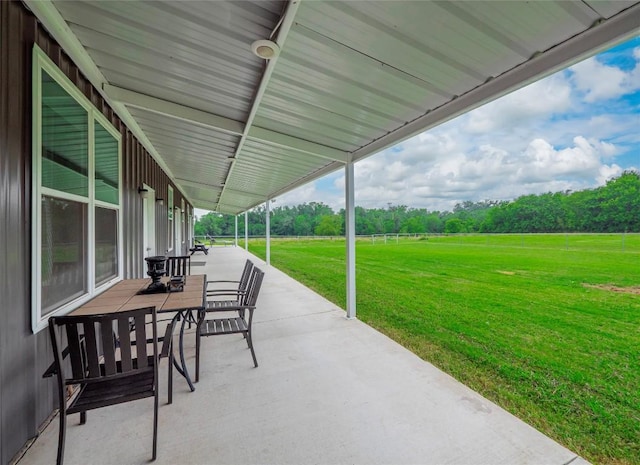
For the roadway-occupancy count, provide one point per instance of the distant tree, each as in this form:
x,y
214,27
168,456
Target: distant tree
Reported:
x,y
328,225
453,226
614,207
302,226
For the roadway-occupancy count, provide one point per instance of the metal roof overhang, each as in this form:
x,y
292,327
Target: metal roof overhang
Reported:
x,y
352,77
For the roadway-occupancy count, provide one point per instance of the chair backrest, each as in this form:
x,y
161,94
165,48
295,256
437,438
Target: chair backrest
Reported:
x,y
251,296
246,274
101,347
178,266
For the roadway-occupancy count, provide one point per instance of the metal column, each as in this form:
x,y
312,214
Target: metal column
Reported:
x,y
236,240
350,235
268,232
246,231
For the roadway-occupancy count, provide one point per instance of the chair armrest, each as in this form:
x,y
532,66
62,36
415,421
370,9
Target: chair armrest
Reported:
x,y
230,308
51,371
226,292
222,281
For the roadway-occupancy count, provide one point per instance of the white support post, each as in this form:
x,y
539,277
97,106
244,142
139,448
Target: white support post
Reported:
x,y
246,231
236,240
350,235
268,233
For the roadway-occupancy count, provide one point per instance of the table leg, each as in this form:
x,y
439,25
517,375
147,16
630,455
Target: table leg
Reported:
x,y
182,367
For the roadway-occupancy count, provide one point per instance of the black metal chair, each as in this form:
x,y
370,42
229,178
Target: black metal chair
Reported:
x,y
107,366
178,266
241,289
237,324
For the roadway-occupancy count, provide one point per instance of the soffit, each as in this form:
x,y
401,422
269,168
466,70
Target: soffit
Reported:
x,y
352,78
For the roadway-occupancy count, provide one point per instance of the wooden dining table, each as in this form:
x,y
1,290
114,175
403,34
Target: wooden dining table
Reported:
x,y
124,296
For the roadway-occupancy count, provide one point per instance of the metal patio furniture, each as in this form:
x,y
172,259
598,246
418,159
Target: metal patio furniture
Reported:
x,y
178,266
199,247
242,283
105,365
125,295
236,324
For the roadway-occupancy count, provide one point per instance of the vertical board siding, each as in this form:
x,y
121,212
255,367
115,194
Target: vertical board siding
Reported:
x,y
18,393
26,400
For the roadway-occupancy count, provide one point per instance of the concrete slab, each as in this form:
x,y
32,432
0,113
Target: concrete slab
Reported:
x,y
328,391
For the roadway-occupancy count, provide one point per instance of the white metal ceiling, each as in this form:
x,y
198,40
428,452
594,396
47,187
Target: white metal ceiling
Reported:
x,y
353,77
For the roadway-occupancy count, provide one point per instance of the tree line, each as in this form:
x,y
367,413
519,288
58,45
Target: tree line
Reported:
x,y
614,207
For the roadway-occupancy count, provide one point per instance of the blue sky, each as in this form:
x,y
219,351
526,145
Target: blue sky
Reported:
x,y
572,130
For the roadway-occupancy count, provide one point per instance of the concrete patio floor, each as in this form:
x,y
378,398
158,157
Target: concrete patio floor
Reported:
x,y
328,391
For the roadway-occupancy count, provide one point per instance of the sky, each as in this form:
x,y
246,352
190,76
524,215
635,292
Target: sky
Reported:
x,y
570,131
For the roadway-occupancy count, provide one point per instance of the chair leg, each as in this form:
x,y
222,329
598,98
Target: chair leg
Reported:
x,y
155,423
61,436
201,316
170,378
250,344
197,353
83,418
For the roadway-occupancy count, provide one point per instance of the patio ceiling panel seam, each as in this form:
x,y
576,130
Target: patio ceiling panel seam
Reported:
x,y
300,145
179,140
190,183
460,13
191,80
292,86
357,55
108,44
268,158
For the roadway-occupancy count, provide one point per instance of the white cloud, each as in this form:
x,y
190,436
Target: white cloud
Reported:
x,y
540,99
305,194
599,81
490,172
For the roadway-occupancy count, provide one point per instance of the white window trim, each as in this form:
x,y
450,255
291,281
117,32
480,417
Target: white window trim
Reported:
x,y
42,62
170,220
183,222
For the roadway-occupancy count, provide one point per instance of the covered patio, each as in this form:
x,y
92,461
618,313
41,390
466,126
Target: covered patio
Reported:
x,y
141,112
241,102
328,390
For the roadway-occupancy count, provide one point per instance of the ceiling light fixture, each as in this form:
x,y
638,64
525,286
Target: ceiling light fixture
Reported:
x,y
266,49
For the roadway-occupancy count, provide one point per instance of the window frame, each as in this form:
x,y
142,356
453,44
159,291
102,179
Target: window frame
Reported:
x,y
170,220
183,220
42,63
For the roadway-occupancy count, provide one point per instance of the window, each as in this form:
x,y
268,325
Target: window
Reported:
x,y
76,196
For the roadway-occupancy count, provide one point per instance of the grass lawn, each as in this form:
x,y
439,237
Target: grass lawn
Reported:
x,y
546,326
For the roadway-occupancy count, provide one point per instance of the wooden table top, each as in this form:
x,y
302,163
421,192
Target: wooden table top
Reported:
x,y
123,296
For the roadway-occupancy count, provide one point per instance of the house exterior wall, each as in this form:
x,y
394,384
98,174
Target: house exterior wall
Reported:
x,y
27,400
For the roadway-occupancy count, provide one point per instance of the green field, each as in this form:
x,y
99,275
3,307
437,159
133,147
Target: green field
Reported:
x,y
547,326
